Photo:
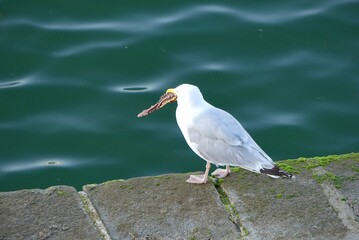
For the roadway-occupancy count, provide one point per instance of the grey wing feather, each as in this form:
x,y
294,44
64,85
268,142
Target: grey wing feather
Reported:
x,y
222,140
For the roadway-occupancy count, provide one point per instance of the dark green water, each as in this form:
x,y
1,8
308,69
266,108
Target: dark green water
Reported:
x,y
74,75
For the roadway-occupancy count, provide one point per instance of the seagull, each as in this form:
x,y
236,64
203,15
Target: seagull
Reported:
x,y
215,135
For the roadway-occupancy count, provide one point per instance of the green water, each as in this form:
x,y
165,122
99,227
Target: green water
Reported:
x,y
74,75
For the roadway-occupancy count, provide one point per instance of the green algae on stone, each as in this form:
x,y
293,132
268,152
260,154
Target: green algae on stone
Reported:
x,y
325,161
60,193
55,190
288,166
85,203
235,169
233,213
279,196
328,176
295,166
355,168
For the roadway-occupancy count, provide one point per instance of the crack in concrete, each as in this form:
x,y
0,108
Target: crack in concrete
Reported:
x,y
335,198
233,213
91,211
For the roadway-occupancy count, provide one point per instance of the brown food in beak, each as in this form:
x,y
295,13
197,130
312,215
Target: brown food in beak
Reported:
x,y
164,99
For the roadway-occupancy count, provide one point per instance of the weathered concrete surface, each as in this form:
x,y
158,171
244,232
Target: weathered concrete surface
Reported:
x,y
322,202
283,208
296,209
54,213
163,207
347,173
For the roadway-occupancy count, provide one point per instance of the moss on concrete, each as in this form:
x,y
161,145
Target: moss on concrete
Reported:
x,y
295,204
235,169
86,203
233,213
328,177
251,200
296,166
355,168
60,193
325,161
289,167
279,196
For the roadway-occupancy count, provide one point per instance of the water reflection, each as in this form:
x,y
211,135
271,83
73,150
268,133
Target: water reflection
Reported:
x,y
134,89
11,84
29,165
17,82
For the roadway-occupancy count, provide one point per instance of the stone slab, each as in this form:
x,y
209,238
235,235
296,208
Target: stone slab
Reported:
x,y
54,213
163,207
347,182
283,208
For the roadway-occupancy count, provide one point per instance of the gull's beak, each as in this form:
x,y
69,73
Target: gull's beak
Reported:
x,y
168,97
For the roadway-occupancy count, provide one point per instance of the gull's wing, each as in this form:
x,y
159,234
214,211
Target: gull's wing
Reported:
x,y
221,139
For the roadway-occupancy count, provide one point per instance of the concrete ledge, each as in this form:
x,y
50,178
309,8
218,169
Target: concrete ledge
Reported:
x,y
322,202
161,207
54,213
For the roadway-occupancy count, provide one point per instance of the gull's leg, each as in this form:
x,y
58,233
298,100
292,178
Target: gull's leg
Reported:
x,y
199,179
221,173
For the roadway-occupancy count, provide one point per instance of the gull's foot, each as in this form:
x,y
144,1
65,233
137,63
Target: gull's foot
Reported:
x,y
198,179
221,173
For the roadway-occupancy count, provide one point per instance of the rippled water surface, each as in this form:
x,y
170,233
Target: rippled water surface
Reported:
x,y
73,77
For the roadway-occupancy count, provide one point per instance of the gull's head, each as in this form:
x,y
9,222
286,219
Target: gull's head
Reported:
x,y
186,94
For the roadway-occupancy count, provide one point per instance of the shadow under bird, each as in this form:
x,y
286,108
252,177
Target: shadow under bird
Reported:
x,y
215,135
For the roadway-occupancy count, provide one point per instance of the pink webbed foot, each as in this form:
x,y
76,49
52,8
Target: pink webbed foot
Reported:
x,y
197,179
221,173
200,179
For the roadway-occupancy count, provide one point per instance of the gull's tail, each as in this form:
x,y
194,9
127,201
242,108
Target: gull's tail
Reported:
x,y
276,172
